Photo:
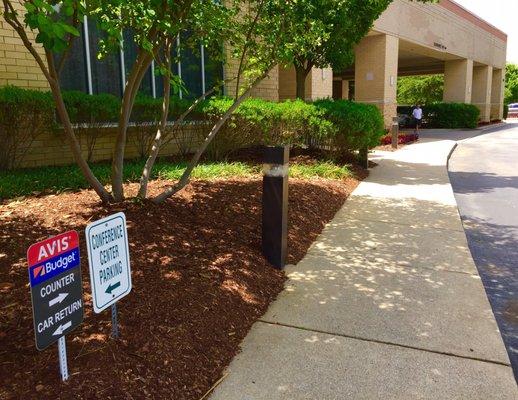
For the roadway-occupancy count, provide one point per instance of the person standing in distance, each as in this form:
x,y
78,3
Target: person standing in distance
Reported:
x,y
418,116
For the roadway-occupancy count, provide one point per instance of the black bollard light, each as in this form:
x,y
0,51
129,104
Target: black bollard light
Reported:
x,y
363,157
275,205
395,132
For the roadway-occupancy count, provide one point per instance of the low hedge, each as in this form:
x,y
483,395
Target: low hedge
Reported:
x,y
258,121
24,114
451,115
91,109
335,124
149,109
339,126
446,115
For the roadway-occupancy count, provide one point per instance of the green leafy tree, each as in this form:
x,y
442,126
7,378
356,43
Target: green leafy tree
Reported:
x,y
153,24
511,84
55,29
324,32
259,41
423,89
56,25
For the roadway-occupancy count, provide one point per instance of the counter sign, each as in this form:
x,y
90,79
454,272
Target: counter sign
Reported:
x,y
108,258
56,290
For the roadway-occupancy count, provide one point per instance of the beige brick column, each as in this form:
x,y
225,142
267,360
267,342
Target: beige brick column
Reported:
x,y
497,94
458,80
319,84
345,89
376,73
481,96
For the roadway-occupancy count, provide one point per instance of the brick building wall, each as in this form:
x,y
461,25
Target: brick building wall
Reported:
x,y
321,83
51,148
17,66
267,89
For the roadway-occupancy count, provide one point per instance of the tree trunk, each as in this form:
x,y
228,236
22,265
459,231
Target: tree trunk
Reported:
x,y
300,79
184,180
69,132
146,172
51,74
130,92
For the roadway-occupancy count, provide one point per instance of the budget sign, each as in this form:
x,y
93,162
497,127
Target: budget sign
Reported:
x,y
108,258
56,290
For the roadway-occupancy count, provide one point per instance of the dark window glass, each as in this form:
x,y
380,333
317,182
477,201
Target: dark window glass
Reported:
x,y
213,69
106,72
130,55
73,75
191,68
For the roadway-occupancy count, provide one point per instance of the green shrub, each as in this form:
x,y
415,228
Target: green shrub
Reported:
x,y
258,121
145,118
177,106
96,110
451,115
24,115
243,129
356,126
506,110
340,125
301,122
91,114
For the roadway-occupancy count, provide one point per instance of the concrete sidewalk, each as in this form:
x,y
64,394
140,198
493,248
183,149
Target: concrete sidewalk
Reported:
x,y
387,304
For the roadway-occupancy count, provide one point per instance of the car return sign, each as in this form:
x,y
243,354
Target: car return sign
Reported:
x,y
108,258
56,291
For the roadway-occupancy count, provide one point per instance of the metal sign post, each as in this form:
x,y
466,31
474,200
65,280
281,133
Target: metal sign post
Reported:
x,y
115,325
62,352
56,291
108,259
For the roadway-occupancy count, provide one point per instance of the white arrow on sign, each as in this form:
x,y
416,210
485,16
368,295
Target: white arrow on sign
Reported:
x,y
58,299
62,328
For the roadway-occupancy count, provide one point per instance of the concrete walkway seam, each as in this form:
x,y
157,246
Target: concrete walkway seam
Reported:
x,y
364,339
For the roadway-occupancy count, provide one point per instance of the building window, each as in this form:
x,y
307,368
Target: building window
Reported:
x,y
159,79
190,60
106,72
213,68
130,55
74,75
85,72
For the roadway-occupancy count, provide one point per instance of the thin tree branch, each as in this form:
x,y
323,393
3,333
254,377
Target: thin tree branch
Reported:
x,y
245,48
71,39
184,115
185,178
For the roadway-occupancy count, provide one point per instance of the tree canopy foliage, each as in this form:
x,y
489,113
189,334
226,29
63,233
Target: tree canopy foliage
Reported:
x,y
422,89
154,25
323,33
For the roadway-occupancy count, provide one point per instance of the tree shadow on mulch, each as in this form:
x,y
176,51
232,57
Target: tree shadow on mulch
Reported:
x,y
199,283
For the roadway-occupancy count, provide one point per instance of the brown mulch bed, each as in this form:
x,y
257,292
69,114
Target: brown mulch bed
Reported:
x,y
199,283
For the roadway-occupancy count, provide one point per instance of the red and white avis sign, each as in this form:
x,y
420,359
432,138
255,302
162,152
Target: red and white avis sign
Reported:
x,y
56,290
